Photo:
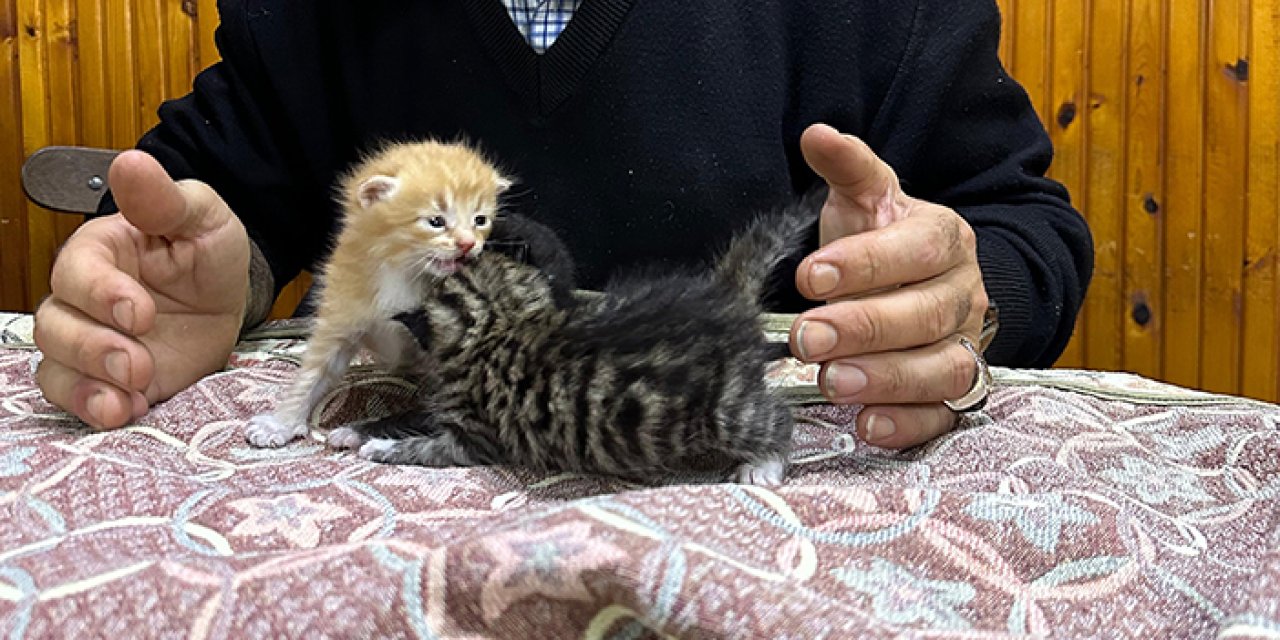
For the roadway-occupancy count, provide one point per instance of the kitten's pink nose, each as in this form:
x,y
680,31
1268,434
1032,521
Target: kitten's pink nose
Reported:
x,y
465,245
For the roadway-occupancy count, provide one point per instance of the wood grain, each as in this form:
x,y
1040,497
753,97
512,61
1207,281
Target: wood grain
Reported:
x,y
15,269
1104,191
1144,188
1259,356
1183,207
1226,152
1065,122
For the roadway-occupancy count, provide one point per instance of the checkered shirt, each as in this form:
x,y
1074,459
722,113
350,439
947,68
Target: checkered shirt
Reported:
x,y
541,21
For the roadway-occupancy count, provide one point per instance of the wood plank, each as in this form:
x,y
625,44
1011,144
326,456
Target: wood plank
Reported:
x,y
122,93
64,103
206,24
290,296
95,130
1031,52
13,216
42,233
1068,101
1260,359
1184,181
1144,189
180,47
1226,153
149,41
1008,27
1104,197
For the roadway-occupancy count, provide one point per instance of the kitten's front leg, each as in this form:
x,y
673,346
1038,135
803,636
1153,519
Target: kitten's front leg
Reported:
x,y
328,356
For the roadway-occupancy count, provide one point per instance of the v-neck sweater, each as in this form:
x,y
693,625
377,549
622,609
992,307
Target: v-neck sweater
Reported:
x,y
647,133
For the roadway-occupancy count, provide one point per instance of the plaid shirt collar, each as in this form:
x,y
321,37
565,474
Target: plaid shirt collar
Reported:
x,y
541,21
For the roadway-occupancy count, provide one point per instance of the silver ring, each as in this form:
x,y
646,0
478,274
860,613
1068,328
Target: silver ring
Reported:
x,y
976,397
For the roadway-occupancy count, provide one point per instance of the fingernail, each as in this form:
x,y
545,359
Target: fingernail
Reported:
x,y
94,407
879,427
815,338
843,380
118,367
823,278
123,313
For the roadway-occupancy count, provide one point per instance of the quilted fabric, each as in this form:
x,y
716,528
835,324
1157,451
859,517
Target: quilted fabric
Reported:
x,y
1078,504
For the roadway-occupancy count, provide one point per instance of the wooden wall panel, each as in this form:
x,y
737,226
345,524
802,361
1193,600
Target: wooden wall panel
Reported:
x,y
1184,184
14,262
1165,116
1066,109
1261,353
1104,125
1172,156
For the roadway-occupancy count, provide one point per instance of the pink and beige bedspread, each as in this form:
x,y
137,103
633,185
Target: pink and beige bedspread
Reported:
x,y
1078,504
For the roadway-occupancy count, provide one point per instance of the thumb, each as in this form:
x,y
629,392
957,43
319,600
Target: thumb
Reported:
x,y
157,205
863,186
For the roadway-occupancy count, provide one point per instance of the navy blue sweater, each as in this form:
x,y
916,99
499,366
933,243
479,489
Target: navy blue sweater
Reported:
x,y
649,131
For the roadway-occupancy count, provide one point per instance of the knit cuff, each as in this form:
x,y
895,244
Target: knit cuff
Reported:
x,y
261,293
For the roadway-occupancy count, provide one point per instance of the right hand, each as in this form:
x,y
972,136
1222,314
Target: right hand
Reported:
x,y
144,302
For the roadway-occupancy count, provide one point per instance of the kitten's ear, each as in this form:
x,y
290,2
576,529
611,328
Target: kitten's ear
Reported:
x,y
377,189
503,183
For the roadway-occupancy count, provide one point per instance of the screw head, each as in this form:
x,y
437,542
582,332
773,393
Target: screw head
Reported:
x,y
96,183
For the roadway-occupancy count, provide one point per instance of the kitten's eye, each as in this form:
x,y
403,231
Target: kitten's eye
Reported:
x,y
436,222
482,221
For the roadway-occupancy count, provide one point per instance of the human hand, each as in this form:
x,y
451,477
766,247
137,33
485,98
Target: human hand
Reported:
x,y
901,280
144,302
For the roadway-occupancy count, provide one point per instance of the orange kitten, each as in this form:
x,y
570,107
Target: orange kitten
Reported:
x,y
411,211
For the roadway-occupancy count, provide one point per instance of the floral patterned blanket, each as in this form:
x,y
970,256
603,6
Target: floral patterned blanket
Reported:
x,y
1078,504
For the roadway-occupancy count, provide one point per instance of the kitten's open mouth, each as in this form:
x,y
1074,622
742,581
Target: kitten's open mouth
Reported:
x,y
446,266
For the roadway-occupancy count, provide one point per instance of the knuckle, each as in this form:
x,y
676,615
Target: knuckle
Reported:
x,y
968,239
963,307
863,327
961,370
869,261
935,314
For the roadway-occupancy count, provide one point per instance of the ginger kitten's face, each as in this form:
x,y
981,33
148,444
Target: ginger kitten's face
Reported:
x,y
434,211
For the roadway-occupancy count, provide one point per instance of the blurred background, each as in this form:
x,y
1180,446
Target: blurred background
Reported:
x,y
1165,115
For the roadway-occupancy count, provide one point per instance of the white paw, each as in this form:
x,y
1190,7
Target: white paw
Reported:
x,y
764,473
345,438
267,430
377,449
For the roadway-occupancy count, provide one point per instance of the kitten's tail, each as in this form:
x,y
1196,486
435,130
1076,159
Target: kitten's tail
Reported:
x,y
757,251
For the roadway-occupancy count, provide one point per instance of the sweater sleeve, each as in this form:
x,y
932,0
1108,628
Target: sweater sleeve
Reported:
x,y
229,132
960,132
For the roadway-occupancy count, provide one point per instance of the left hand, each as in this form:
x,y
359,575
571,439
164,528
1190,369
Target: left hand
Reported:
x,y
901,281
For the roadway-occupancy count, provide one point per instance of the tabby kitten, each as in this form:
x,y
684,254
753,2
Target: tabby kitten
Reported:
x,y
414,213
662,371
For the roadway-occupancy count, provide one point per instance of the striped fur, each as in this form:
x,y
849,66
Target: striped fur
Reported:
x,y
662,371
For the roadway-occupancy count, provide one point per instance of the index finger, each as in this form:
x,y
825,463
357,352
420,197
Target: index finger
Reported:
x,y
157,205
910,250
88,275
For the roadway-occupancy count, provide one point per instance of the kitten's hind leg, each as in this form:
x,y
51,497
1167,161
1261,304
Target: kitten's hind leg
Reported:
x,y
441,450
767,471
437,440
405,424
767,447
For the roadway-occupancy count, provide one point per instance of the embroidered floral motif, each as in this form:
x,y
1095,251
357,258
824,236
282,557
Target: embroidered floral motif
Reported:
x,y
548,563
902,597
294,517
1040,517
1157,484
11,461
